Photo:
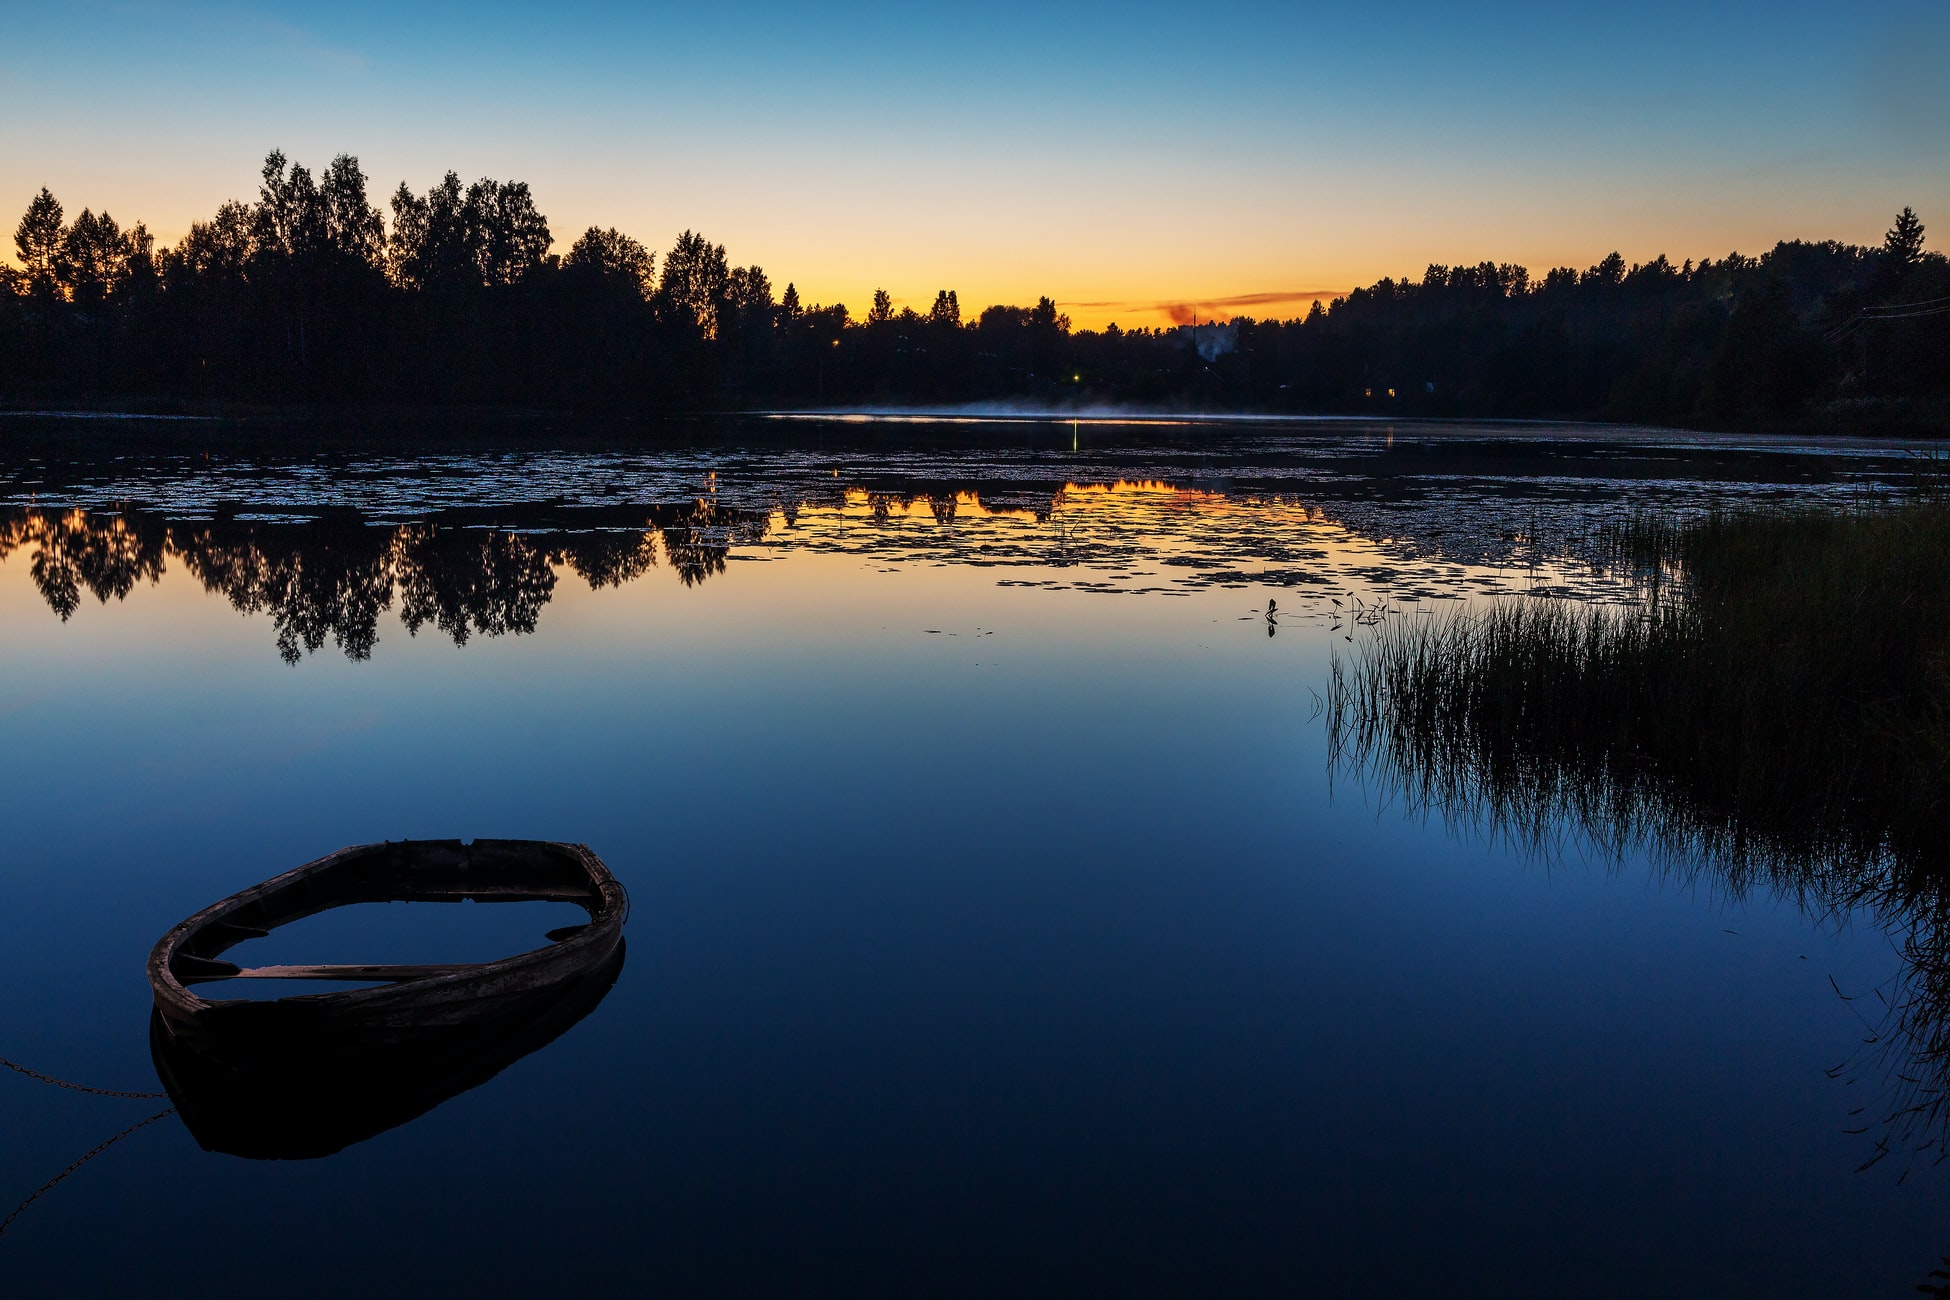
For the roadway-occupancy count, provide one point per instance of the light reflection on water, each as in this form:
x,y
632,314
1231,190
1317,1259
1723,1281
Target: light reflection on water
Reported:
x,y
492,572
988,933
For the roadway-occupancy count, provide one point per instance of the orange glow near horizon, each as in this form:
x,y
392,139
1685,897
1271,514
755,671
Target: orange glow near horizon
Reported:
x,y
1126,314
1134,274
1126,163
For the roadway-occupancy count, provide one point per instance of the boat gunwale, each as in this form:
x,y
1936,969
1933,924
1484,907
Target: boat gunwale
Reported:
x,y
607,907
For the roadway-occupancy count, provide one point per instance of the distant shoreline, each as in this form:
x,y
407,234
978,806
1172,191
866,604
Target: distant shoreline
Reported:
x,y
406,428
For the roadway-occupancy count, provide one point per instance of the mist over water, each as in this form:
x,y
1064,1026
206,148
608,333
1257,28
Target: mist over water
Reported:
x,y
1000,919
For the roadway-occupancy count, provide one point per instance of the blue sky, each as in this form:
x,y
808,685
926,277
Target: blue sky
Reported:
x,y
1130,155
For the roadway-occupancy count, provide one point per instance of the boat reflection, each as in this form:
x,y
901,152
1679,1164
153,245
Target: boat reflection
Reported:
x,y
278,1087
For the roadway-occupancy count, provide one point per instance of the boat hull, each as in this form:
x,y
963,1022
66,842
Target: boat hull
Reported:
x,y
412,998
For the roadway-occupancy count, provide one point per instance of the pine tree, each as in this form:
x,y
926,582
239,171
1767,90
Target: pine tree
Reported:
x,y
38,240
1904,242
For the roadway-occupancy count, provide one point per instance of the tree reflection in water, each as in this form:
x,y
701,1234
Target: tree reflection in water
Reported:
x,y
326,573
73,550
330,578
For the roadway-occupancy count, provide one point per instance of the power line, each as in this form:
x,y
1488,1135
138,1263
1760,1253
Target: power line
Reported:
x,y
1869,316
1902,306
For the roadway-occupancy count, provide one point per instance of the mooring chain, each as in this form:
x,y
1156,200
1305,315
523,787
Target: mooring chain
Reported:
x,y
53,1082
55,1181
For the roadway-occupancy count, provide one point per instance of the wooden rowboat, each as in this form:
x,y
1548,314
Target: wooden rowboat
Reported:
x,y
308,1075
412,997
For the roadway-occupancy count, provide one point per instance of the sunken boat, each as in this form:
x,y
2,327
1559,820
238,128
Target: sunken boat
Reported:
x,y
308,1075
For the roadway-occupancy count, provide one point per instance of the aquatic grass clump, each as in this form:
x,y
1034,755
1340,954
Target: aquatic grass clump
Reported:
x,y
1773,711
1784,701
1520,716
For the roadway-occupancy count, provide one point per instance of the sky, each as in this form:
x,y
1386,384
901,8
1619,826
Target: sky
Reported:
x,y
1132,161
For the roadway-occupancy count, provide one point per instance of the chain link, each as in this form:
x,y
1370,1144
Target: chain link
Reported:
x,y
55,1181
51,1081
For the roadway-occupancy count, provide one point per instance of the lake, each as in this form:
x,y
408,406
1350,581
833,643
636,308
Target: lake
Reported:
x,y
1000,919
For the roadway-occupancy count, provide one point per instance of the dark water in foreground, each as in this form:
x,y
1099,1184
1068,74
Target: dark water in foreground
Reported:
x,y
998,925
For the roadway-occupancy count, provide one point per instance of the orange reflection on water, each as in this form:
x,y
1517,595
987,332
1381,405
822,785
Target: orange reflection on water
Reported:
x,y
859,503
331,578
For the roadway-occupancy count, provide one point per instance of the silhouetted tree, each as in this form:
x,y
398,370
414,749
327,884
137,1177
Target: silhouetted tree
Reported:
x,y
353,228
436,239
1045,316
1904,242
748,293
510,237
289,219
94,259
612,256
746,345
219,248
694,281
38,239
410,247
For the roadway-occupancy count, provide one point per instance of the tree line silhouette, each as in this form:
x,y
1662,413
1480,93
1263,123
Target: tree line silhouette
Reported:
x,y
311,296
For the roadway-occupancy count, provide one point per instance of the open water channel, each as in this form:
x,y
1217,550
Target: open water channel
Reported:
x,y
999,922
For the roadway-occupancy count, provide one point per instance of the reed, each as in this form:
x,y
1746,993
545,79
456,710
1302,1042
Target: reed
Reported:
x,y
1774,711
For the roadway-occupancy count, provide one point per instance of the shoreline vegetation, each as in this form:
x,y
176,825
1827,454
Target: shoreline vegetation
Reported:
x,y
1772,713
310,300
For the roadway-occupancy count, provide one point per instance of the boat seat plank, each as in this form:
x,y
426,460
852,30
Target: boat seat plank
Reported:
x,y
413,892
348,972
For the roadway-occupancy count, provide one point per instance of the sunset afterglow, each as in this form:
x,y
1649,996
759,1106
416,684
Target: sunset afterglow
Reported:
x,y
1132,163
1059,649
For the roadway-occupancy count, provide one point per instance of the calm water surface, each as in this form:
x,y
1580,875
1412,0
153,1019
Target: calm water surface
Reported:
x,y
999,924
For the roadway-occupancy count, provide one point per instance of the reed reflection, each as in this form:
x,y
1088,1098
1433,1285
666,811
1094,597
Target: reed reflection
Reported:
x,y
1774,714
